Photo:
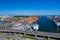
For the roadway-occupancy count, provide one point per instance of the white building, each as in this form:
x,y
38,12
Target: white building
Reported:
x,y
36,26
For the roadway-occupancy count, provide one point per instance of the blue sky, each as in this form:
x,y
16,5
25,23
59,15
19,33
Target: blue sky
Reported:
x,y
30,7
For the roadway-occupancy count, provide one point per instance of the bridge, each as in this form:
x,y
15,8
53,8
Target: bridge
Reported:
x,y
35,33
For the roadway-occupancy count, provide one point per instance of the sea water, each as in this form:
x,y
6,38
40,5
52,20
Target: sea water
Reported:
x,y
46,24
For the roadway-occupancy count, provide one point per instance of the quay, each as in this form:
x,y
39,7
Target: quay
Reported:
x,y
55,20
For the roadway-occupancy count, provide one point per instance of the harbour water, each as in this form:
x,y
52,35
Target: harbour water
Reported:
x,y
46,25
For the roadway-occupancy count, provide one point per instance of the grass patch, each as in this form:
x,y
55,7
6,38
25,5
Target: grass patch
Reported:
x,y
19,35
45,38
7,38
30,37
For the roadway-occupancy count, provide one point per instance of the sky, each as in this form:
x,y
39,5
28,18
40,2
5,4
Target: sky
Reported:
x,y
29,7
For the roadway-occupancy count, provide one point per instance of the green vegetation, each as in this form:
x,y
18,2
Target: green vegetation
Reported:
x,y
30,37
21,16
19,35
45,38
7,38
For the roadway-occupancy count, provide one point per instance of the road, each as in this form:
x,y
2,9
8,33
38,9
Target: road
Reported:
x,y
38,33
